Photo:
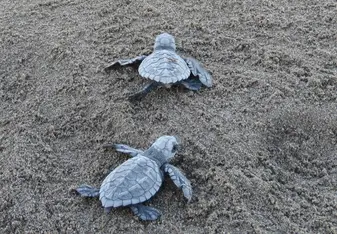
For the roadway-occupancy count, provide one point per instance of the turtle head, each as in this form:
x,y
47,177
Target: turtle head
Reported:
x,y
165,41
163,149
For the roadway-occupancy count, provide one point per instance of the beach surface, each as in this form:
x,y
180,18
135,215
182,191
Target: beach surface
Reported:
x,y
259,147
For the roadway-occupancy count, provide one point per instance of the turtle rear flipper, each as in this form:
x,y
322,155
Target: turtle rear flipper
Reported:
x,y
87,191
142,93
145,213
192,84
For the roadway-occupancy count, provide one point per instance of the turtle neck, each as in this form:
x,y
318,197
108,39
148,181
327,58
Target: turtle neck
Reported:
x,y
156,155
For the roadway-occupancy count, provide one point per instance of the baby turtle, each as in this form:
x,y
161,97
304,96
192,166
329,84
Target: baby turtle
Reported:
x,y
165,67
139,178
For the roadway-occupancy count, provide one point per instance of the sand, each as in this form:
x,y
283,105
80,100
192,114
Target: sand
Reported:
x,y
259,147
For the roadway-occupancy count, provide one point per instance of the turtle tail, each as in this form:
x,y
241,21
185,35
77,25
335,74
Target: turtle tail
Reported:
x,y
87,191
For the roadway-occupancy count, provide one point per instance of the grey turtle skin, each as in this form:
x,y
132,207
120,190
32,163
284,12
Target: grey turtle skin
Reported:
x,y
165,67
139,178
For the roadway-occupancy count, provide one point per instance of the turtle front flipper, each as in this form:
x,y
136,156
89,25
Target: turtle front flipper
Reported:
x,y
191,84
198,70
145,213
179,180
87,191
125,149
141,94
125,62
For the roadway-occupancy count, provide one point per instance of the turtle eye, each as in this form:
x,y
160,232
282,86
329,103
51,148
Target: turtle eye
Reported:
x,y
175,148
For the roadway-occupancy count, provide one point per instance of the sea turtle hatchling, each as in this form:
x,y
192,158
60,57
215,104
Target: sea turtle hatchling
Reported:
x,y
139,178
165,67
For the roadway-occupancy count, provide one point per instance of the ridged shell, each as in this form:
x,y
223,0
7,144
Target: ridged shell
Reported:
x,y
134,181
164,66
